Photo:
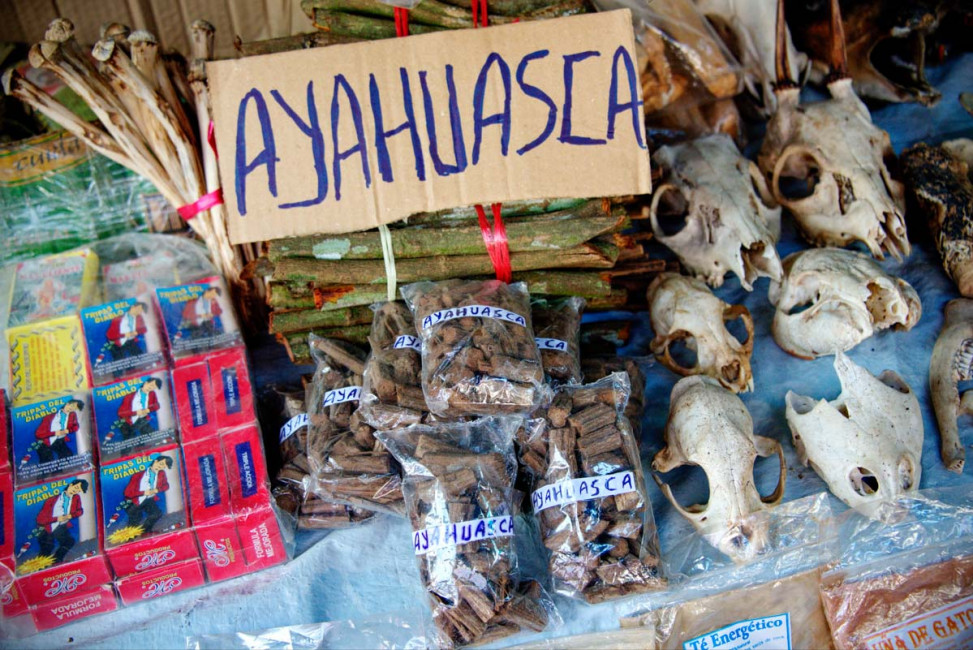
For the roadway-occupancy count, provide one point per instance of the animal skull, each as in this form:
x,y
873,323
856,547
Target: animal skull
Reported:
x,y
832,299
826,163
747,28
709,426
866,444
683,309
951,363
725,210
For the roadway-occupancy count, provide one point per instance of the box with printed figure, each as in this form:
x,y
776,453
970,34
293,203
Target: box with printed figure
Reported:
x,y
143,496
122,337
52,286
198,317
52,438
139,276
134,414
56,523
47,359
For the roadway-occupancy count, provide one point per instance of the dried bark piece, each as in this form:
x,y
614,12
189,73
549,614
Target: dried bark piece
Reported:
x,y
479,355
603,547
557,329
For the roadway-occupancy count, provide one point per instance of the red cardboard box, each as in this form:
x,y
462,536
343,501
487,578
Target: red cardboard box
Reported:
x,y
64,580
195,404
160,582
263,545
4,433
209,495
66,610
12,602
246,469
231,387
153,553
6,520
222,552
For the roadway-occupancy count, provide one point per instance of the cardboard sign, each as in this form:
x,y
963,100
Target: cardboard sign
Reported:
x,y
348,137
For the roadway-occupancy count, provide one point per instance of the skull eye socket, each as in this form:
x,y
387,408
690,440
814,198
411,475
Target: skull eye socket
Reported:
x,y
863,481
671,210
799,175
690,485
737,328
682,353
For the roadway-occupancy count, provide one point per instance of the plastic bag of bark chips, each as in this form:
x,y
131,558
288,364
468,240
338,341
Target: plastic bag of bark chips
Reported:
x,y
459,494
557,330
392,381
589,493
478,351
770,601
332,397
904,576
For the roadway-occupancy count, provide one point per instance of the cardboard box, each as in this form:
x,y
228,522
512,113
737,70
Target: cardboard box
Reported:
x,y
47,359
148,554
222,553
12,602
143,496
133,415
140,276
73,608
52,438
65,580
263,544
246,469
53,286
123,337
198,317
232,388
195,404
57,536
4,433
6,520
209,495
160,582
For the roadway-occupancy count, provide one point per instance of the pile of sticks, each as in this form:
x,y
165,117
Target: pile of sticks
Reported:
x,y
559,247
153,115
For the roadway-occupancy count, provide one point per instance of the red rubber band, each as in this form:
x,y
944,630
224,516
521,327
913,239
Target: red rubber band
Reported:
x,y
495,239
211,139
479,8
203,203
401,15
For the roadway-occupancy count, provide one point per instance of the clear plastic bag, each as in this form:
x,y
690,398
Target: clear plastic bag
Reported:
x,y
478,351
681,57
392,381
589,496
770,602
460,498
557,330
904,575
595,368
332,398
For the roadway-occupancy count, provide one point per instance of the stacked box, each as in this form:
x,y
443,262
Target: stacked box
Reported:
x,y
123,337
198,317
56,613
139,276
47,359
4,433
52,438
160,582
146,522
134,415
57,539
53,286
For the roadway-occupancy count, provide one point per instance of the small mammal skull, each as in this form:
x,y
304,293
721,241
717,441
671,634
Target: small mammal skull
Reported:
x,y
848,297
730,220
951,363
826,161
683,309
710,427
867,443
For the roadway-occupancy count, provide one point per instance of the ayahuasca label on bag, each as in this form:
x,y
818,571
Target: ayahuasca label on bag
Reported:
x,y
472,311
464,532
582,489
556,345
341,395
407,342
